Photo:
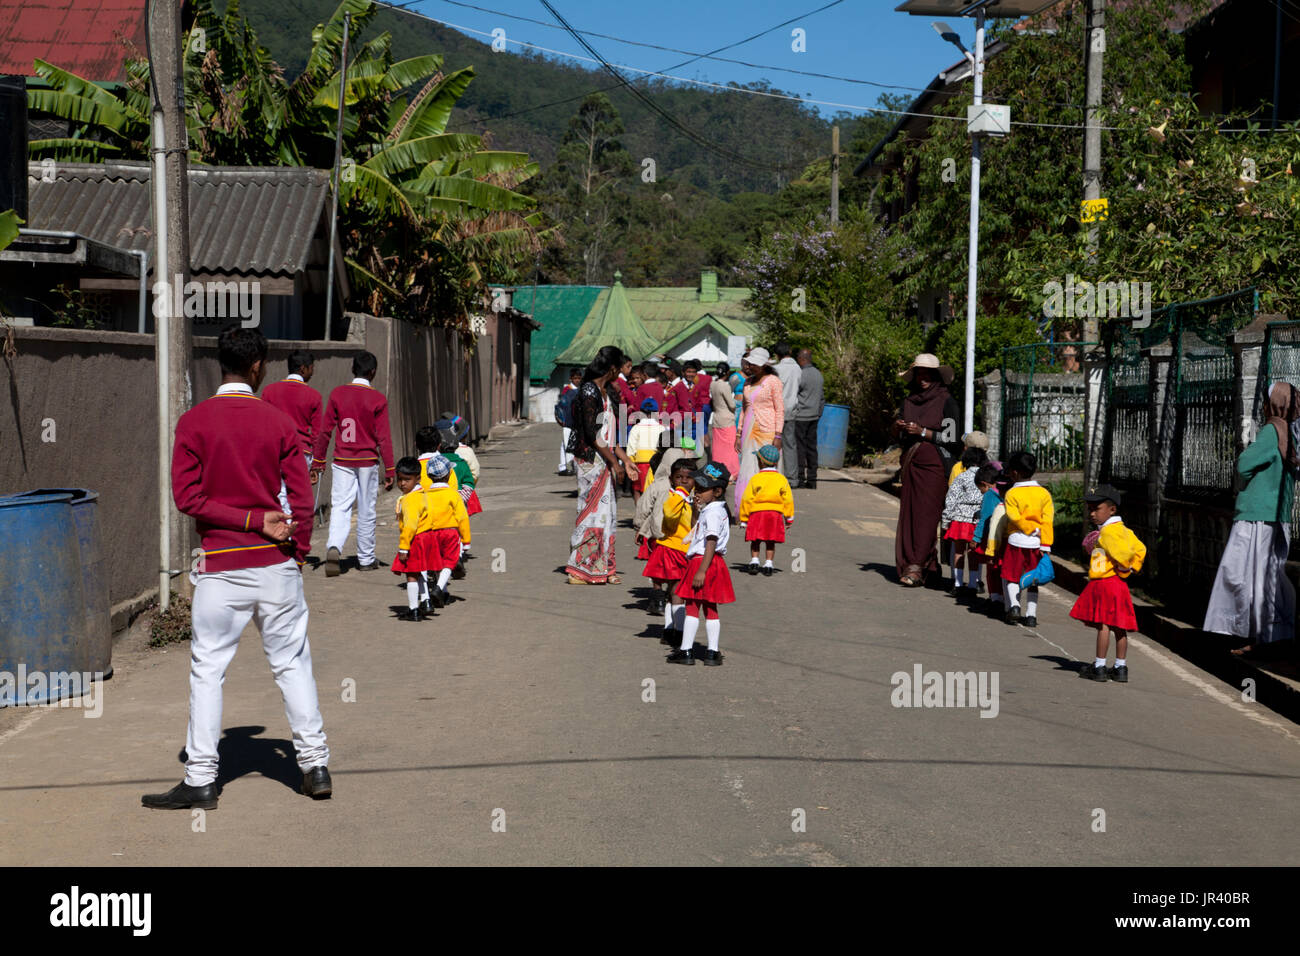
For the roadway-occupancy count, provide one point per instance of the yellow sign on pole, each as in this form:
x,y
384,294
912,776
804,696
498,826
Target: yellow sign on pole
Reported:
x,y
1094,210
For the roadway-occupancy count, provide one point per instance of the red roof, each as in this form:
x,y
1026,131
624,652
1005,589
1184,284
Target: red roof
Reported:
x,y
88,37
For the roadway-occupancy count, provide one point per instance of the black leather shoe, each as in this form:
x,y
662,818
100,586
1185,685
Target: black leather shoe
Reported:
x,y
680,656
1029,620
372,566
183,797
1094,672
767,570
316,783
458,572
811,484
712,659
751,568
410,614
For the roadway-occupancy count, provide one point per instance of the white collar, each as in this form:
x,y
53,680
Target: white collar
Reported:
x,y
673,383
768,468
622,376
1026,484
235,388
438,484
427,455
295,377
1111,520
361,381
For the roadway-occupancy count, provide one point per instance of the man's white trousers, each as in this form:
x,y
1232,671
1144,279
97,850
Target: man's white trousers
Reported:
x,y
359,487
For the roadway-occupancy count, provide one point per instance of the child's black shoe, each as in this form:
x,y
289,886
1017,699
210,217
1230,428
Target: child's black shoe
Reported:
x,y
458,572
438,597
680,656
1012,615
712,659
979,587
1119,674
410,614
751,568
1095,672
767,570
1029,620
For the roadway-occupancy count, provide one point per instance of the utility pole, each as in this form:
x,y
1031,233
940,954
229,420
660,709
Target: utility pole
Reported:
x,y
972,253
172,267
338,166
1094,50
835,174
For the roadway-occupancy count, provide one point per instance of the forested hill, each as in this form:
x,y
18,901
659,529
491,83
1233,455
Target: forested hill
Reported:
x,y
526,101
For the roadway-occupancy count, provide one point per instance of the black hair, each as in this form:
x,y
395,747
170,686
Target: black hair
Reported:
x,y
448,440
973,457
692,363
987,474
1023,462
300,360
607,359
722,370
364,365
427,439
408,466
781,349
238,348
575,371
687,463
650,369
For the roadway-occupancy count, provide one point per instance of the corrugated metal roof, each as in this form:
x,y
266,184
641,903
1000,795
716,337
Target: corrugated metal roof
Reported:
x,y
91,38
253,220
561,309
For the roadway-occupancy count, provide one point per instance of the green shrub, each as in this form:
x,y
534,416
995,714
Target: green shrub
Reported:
x,y
171,626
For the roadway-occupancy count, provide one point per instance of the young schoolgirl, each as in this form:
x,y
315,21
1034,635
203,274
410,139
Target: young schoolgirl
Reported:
x,y
416,540
970,441
648,519
766,508
707,582
449,530
460,467
961,510
1029,535
985,537
667,561
1105,603
642,443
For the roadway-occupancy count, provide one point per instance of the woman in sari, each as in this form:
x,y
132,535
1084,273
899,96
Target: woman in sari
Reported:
x,y
1252,596
600,464
927,427
762,416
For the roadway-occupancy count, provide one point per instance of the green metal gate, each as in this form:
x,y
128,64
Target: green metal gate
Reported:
x,y
1043,400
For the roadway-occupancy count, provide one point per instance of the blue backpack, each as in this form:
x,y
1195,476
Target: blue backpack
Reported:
x,y
564,408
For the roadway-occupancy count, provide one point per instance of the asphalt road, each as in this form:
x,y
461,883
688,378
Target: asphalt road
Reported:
x,y
515,727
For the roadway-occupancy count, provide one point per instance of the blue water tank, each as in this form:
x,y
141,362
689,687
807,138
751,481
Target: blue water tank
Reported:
x,y
42,601
97,650
832,436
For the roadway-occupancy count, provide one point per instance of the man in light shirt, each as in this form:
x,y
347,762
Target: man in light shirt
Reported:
x,y
788,370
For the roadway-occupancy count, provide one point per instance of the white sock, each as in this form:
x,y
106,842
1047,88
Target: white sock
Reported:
x,y
958,578
767,563
679,616
689,627
412,594
1031,602
668,618
443,577
753,560
1013,594
713,628
423,585
1099,662
1121,662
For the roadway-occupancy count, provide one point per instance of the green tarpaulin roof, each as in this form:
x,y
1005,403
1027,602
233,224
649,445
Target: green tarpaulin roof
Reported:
x,y
616,324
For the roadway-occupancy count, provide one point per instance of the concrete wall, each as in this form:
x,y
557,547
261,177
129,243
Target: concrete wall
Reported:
x,y
80,411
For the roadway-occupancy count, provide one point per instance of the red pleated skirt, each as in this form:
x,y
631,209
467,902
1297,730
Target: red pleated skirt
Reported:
x,y
472,507
418,556
1106,601
647,546
665,564
960,531
765,526
1016,561
642,469
717,581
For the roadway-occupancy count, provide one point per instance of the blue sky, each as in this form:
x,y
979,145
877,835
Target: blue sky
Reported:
x,y
859,39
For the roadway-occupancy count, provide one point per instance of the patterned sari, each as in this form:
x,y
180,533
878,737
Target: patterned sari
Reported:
x,y
591,554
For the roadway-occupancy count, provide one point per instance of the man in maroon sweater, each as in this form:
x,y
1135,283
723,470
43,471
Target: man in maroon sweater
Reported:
x,y
360,413
300,402
232,453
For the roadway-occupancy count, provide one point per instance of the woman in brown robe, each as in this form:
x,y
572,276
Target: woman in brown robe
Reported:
x,y
928,427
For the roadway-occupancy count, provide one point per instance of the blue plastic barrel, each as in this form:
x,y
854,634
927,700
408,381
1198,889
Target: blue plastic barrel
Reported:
x,y
42,605
97,650
832,436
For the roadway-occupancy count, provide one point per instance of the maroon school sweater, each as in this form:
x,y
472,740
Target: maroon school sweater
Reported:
x,y
680,399
360,413
230,455
300,402
651,389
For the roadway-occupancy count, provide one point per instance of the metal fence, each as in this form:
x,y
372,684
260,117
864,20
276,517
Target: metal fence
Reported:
x,y
1043,400
1281,363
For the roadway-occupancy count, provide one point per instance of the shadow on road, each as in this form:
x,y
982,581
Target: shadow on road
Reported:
x,y
241,751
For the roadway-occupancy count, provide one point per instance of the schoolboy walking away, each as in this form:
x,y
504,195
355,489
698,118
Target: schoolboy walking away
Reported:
x,y
302,404
1106,604
707,581
988,531
961,509
642,442
230,456
667,561
766,508
360,414
415,540
566,465
1029,535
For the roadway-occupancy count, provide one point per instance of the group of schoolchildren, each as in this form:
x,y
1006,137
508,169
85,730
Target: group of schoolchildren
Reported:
x,y
683,532
997,517
437,483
